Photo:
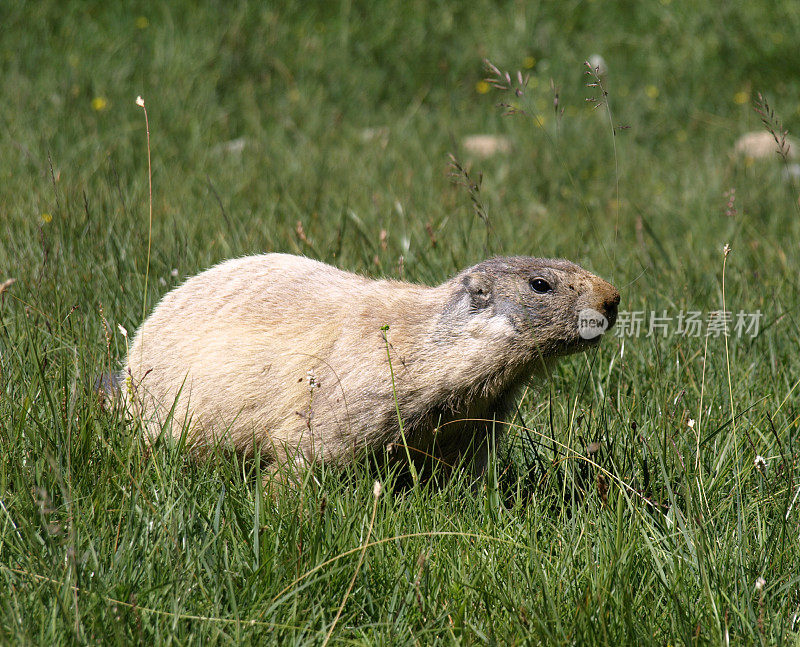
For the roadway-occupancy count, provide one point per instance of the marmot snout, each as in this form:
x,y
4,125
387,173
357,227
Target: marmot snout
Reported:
x,y
293,356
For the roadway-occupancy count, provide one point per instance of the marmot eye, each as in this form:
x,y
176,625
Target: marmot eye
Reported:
x,y
540,286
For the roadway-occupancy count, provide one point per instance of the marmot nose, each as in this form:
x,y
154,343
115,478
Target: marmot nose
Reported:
x,y
610,304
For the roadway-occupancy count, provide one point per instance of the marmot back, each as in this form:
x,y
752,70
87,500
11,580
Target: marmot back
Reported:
x,y
293,355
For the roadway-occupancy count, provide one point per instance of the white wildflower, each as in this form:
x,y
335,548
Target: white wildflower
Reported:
x,y
598,64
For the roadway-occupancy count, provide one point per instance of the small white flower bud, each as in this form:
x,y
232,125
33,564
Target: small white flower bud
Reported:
x,y
598,64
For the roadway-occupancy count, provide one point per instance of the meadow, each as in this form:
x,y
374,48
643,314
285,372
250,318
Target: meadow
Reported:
x,y
649,494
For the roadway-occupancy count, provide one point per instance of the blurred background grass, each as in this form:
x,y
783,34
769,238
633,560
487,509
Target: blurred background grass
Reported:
x,y
340,117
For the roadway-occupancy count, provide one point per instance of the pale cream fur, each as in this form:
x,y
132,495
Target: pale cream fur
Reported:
x,y
289,355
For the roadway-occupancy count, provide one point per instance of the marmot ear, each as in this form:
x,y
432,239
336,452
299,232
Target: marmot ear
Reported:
x,y
480,287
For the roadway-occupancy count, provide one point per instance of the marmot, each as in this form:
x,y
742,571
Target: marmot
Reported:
x,y
307,362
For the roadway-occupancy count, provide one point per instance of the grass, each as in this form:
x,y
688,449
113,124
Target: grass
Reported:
x,y
632,509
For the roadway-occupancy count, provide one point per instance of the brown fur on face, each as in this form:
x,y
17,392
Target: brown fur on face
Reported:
x,y
290,355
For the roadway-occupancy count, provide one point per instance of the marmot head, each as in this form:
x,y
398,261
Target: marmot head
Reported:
x,y
549,307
